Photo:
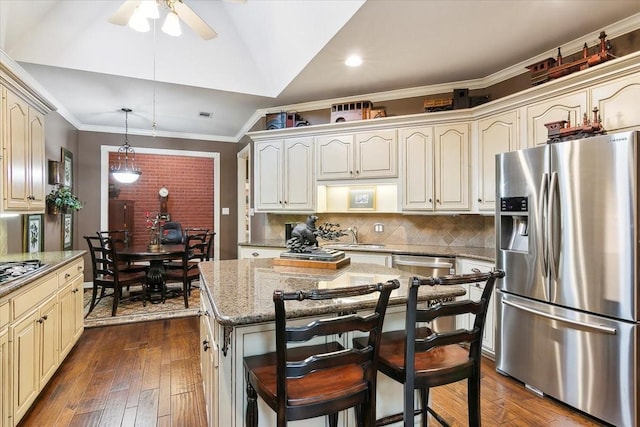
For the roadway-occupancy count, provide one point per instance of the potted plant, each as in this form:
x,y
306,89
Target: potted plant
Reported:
x,y
62,200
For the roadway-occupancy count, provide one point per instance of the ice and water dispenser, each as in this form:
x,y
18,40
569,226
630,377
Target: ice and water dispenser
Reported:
x,y
514,224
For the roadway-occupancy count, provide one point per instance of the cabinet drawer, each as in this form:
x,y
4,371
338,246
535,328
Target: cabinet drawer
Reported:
x,y
39,291
4,314
68,273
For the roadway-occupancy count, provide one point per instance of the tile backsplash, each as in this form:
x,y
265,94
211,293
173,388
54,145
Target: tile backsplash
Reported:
x,y
442,230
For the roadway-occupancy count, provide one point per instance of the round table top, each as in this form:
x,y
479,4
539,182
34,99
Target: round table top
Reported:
x,y
143,251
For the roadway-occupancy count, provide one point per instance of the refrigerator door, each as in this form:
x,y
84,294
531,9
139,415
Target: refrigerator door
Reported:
x,y
592,230
589,362
522,187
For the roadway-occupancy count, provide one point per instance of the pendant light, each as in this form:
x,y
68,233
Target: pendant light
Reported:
x,y
126,171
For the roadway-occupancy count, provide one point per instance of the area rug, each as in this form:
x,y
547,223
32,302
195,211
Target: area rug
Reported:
x,y
131,310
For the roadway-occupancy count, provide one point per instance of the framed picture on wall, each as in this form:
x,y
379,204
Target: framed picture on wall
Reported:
x,y
67,231
33,233
363,198
67,168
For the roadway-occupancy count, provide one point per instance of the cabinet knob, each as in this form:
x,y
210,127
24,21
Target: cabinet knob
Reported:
x,y
438,201
430,200
480,200
286,203
357,172
255,254
67,275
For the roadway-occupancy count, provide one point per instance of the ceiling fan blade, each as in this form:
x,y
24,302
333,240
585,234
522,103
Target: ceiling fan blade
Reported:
x,y
194,21
124,12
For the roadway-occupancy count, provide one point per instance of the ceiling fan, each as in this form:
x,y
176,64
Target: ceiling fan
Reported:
x,y
136,14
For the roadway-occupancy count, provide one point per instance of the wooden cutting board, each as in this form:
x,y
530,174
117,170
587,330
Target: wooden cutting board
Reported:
x,y
309,263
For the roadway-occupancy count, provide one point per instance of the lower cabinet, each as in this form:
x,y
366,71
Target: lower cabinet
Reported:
x,y
209,362
245,252
39,324
474,292
369,257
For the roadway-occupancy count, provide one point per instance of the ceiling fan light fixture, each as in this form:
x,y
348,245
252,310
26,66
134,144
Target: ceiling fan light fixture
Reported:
x,y
138,21
353,61
171,25
149,9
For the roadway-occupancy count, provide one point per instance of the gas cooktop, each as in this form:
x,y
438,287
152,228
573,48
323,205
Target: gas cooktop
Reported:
x,y
12,270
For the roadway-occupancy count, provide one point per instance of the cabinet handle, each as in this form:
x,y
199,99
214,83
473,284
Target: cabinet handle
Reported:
x,y
42,319
75,290
480,200
205,345
255,254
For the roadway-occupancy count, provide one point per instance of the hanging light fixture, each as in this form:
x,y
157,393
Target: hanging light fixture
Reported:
x,y
149,9
126,171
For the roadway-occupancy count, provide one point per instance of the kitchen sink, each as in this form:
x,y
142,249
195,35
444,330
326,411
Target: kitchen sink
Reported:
x,y
355,245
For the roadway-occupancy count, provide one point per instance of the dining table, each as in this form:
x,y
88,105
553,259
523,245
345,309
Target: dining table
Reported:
x,y
156,257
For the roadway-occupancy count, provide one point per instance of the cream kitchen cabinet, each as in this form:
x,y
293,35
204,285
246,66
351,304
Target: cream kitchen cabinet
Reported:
x,y
5,384
435,168
284,175
359,155
474,292
617,102
24,155
369,257
248,252
209,362
496,134
70,281
570,107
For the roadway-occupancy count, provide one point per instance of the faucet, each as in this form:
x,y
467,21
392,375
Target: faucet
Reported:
x,y
354,234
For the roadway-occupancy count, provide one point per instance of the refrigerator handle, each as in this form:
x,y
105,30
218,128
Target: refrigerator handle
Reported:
x,y
551,239
599,328
542,246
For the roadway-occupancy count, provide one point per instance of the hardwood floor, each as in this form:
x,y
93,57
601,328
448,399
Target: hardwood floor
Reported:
x,y
148,374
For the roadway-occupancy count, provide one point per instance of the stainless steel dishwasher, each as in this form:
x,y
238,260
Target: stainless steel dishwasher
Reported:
x,y
429,266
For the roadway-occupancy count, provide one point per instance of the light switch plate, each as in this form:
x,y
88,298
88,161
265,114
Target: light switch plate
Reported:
x,y
225,211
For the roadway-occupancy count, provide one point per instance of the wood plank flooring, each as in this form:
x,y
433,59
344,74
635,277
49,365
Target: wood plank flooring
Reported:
x,y
148,374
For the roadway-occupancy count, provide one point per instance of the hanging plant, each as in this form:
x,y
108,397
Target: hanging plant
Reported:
x,y
61,199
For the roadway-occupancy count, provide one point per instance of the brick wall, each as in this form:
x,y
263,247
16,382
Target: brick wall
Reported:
x,y
190,184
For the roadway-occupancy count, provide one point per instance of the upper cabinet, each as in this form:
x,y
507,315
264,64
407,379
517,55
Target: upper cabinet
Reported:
x,y
496,134
451,153
569,107
617,103
358,155
435,168
284,175
23,155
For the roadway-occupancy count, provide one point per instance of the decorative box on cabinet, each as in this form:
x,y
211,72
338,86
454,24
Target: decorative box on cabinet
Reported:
x,y
571,106
121,215
284,175
474,292
617,102
24,154
358,155
435,164
496,134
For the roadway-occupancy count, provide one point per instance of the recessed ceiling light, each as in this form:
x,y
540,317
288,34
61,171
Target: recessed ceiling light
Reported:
x,y
353,61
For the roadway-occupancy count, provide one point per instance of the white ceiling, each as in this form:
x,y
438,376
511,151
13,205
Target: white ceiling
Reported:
x,y
273,54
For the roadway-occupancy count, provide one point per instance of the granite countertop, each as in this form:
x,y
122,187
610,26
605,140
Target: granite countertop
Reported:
x,y
484,254
241,291
53,260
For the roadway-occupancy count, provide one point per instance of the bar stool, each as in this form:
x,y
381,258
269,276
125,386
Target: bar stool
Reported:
x,y
420,358
309,381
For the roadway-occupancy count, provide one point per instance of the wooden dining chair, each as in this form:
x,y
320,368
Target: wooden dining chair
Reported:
x,y
186,270
106,272
420,358
122,239
312,380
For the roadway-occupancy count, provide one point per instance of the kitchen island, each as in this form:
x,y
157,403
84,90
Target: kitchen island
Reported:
x,y
237,320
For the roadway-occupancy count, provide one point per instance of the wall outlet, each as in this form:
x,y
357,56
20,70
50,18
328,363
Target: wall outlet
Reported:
x,y
378,227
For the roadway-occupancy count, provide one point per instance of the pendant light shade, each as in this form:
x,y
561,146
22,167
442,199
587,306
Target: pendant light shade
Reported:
x,y
126,171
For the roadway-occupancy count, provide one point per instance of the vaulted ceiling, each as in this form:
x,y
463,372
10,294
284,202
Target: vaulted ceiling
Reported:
x,y
275,54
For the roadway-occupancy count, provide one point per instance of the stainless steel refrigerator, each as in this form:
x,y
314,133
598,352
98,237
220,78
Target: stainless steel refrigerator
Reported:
x,y
567,239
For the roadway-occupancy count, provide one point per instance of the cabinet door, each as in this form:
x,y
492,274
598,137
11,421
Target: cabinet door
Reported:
x,y
335,157
474,292
451,149
376,154
368,257
5,385
617,103
496,134
49,337
209,366
26,351
268,175
248,252
71,319
416,147
571,107
299,179
16,161
36,161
